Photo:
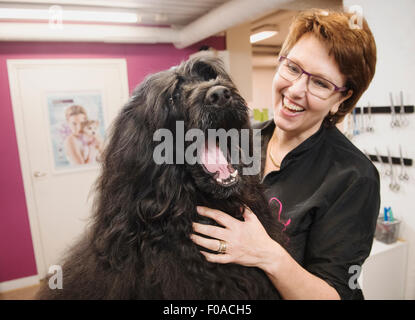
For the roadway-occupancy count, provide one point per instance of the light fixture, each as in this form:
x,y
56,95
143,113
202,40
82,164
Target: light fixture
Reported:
x,y
263,32
69,15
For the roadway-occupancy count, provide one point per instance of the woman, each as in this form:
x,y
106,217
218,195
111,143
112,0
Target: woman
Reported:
x,y
74,149
324,190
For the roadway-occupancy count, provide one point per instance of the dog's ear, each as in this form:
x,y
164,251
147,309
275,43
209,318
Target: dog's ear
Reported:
x,y
204,69
128,163
131,137
153,99
208,68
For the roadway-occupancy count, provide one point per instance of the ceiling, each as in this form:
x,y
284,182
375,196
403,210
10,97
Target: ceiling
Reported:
x,y
153,12
187,20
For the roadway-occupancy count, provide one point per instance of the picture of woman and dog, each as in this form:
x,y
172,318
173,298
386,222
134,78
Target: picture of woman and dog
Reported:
x,y
76,130
84,145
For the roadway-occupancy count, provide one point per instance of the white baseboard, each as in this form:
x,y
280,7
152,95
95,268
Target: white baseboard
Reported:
x,y
19,283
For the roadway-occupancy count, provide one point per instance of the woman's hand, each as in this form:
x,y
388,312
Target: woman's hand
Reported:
x,y
247,242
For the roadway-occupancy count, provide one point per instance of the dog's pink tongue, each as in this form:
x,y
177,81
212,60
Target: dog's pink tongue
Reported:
x,y
214,160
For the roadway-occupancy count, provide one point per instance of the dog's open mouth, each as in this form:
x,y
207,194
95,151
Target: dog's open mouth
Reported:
x,y
217,165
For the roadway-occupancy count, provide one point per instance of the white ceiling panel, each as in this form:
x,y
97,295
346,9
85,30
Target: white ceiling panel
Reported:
x,y
169,12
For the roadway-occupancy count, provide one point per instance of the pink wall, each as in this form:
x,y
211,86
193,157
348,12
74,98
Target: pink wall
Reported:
x,y
16,248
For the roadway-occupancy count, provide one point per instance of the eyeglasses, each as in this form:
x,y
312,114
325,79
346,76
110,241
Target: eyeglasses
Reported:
x,y
316,85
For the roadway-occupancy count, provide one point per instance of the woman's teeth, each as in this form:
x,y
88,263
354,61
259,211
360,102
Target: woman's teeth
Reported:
x,y
292,107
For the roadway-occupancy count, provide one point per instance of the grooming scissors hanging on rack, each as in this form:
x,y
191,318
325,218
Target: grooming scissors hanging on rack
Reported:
x,y
369,119
349,127
383,170
403,175
393,185
355,124
361,121
402,117
394,120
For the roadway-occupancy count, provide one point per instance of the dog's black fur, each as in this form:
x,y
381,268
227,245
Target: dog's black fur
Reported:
x,y
138,244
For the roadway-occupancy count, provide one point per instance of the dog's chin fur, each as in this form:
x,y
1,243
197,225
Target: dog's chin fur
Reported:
x,y
138,245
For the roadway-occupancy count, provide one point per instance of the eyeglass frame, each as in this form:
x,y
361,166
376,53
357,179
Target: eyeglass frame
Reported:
x,y
336,88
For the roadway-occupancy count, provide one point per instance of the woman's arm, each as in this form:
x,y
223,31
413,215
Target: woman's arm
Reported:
x,y
72,151
249,244
293,281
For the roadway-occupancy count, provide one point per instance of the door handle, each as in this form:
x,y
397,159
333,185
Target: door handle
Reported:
x,y
39,174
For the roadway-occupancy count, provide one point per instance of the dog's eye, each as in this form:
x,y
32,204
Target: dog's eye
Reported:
x,y
205,70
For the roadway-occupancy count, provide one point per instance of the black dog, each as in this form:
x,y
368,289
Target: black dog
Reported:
x,y
138,244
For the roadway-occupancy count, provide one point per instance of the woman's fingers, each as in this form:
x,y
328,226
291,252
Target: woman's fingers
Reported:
x,y
220,217
248,214
208,230
211,244
217,258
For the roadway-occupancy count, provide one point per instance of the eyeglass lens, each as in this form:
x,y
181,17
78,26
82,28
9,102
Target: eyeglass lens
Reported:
x,y
317,86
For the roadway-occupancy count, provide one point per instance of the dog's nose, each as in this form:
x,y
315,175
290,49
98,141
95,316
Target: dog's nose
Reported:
x,y
218,95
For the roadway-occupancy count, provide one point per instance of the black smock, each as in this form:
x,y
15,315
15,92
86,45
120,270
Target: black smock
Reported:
x,y
327,194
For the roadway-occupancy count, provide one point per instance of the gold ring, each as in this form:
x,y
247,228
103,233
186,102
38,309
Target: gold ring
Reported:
x,y
222,247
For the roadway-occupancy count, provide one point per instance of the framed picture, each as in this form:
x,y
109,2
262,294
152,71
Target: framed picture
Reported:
x,y
76,130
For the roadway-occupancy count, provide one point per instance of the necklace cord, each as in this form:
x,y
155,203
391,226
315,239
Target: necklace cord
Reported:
x,y
271,156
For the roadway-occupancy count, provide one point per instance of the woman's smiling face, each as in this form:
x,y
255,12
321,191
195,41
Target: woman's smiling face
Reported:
x,y
297,111
75,123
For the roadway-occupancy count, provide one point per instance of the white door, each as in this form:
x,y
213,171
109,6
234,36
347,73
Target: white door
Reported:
x,y
57,192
